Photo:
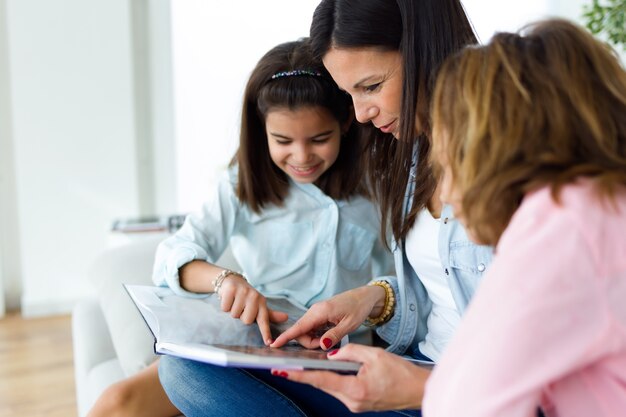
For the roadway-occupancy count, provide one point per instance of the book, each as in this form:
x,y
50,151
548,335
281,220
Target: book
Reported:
x,y
149,224
197,329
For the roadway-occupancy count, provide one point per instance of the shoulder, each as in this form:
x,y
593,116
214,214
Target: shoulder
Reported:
x,y
224,189
231,175
227,179
579,203
580,211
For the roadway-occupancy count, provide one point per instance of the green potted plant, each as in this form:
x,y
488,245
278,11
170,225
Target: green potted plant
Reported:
x,y
607,17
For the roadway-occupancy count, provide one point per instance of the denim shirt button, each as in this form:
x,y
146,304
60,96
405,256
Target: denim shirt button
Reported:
x,y
445,221
412,307
481,267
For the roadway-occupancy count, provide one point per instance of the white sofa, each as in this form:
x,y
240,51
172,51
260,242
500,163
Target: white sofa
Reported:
x,y
110,339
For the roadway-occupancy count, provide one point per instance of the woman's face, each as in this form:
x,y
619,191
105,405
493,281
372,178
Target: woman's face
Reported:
x,y
304,142
374,80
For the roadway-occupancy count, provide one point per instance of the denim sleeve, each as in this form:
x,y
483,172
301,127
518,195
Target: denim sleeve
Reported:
x,y
172,254
204,236
401,329
389,331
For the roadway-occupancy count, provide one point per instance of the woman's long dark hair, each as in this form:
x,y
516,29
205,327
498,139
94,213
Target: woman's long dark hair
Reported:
x,y
425,32
260,181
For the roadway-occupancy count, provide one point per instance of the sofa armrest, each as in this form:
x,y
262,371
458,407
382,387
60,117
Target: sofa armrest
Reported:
x,y
92,346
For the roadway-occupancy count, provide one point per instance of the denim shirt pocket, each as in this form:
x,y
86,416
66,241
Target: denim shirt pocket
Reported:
x,y
290,243
469,262
354,246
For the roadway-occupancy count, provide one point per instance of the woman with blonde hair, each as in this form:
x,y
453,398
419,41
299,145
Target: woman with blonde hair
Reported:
x,y
530,132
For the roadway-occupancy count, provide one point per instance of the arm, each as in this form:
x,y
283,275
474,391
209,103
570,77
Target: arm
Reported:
x,y
203,237
236,295
183,261
345,312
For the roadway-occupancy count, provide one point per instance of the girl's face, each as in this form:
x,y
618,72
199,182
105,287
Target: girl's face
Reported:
x,y
304,142
374,80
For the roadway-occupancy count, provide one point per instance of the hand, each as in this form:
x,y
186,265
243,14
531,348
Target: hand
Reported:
x,y
384,382
247,304
345,312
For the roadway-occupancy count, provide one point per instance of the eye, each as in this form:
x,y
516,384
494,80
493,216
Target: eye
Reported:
x,y
321,140
373,87
282,141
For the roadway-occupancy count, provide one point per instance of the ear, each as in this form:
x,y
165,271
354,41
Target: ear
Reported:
x,y
345,126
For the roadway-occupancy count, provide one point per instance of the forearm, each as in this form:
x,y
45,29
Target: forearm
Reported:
x,y
197,276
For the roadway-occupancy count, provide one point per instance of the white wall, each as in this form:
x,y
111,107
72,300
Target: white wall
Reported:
x,y
10,282
215,46
91,129
490,16
73,132
161,105
100,119
4,145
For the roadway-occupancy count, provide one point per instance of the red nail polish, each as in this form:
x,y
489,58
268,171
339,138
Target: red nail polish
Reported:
x,y
327,342
332,352
275,372
283,374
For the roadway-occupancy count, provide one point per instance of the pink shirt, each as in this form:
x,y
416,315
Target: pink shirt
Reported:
x,y
548,323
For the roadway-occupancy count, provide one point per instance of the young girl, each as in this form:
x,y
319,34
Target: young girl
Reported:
x,y
531,132
293,207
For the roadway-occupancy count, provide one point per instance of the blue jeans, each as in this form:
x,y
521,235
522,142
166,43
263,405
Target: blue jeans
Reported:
x,y
198,389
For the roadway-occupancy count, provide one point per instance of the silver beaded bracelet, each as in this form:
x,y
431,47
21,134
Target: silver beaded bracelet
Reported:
x,y
219,280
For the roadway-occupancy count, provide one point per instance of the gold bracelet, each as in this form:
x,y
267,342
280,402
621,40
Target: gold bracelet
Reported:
x,y
219,280
388,307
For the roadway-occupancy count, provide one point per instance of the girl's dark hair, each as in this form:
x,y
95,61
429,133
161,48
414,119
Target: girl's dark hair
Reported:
x,y
425,32
260,181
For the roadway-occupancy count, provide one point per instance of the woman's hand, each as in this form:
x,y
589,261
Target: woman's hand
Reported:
x,y
247,304
384,382
344,312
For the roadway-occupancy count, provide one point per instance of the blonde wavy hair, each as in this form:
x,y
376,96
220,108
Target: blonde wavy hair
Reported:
x,y
542,107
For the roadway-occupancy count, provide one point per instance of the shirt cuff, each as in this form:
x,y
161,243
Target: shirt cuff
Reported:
x,y
179,257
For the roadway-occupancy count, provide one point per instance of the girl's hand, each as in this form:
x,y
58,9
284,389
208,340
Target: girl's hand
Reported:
x,y
344,312
384,382
247,304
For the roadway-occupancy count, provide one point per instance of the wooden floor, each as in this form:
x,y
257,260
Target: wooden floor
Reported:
x,y
36,370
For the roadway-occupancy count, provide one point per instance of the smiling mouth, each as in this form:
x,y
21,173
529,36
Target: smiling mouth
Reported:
x,y
304,171
387,128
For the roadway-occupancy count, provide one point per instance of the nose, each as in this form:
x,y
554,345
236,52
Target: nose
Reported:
x,y
301,154
363,111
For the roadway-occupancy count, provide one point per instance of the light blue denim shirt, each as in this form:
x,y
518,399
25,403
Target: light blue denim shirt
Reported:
x,y
463,263
308,250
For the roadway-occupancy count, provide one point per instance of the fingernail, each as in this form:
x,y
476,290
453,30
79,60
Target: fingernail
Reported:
x,y
269,341
327,342
274,372
283,374
332,352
